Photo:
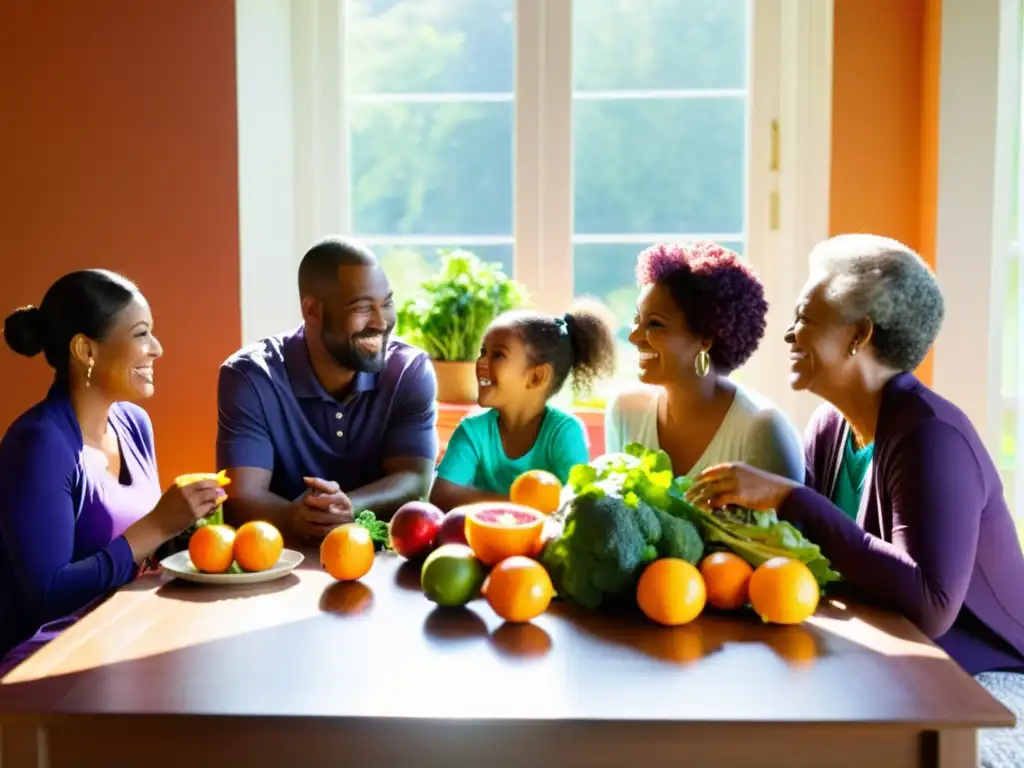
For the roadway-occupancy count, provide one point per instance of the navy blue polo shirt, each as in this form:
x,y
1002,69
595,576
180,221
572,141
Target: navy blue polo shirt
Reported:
x,y
273,414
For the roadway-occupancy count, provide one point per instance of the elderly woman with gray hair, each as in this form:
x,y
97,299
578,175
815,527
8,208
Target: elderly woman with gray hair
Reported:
x,y
900,492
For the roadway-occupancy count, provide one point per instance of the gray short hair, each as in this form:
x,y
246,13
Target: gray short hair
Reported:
x,y
883,280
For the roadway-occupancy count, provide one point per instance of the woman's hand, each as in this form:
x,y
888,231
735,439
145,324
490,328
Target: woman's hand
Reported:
x,y
180,507
177,509
741,485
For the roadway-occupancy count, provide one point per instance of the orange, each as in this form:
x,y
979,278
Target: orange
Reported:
x,y
211,548
258,546
537,489
671,592
726,576
346,553
783,591
497,530
519,589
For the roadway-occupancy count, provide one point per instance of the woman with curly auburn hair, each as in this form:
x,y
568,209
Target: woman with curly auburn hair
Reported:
x,y
700,316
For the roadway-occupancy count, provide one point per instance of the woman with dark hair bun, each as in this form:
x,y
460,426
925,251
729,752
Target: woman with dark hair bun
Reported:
x,y
82,509
700,316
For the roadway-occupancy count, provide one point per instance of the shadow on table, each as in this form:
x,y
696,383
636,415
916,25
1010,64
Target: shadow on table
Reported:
x,y
201,593
450,628
798,645
521,641
407,575
346,599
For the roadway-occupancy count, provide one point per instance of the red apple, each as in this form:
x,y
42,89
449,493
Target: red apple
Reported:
x,y
414,528
453,528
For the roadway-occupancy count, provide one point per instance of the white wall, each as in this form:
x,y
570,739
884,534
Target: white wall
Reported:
x,y
266,167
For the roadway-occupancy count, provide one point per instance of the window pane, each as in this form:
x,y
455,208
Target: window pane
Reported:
x,y
646,162
660,166
659,44
408,265
429,46
431,169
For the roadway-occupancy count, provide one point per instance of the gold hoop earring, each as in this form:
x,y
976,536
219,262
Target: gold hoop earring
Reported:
x,y
88,373
702,363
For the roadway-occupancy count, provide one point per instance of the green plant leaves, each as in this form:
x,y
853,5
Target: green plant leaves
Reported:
x,y
449,315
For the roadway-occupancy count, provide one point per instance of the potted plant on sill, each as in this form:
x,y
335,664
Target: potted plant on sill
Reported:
x,y
449,313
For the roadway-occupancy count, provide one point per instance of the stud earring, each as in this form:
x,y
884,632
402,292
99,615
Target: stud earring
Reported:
x,y
853,351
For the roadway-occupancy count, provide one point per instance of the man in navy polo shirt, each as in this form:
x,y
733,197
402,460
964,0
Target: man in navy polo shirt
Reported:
x,y
334,417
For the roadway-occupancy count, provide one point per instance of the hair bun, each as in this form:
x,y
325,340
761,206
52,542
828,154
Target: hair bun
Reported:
x,y
23,331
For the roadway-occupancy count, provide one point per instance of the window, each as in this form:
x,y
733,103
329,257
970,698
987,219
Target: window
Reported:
x,y
558,138
429,107
658,140
659,137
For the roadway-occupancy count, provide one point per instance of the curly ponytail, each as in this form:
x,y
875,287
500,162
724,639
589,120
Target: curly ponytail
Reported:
x,y
580,342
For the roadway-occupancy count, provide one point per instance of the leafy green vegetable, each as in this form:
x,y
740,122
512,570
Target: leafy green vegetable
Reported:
x,y
448,316
378,529
644,476
602,548
754,536
637,471
679,538
611,531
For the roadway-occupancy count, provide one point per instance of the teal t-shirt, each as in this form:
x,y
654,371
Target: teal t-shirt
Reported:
x,y
853,468
475,456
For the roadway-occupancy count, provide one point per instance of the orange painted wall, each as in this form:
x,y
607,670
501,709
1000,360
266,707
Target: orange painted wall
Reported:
x,y
119,149
885,122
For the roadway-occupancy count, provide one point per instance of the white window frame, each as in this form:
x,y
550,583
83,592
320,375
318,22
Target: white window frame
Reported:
x,y
1010,91
979,86
293,161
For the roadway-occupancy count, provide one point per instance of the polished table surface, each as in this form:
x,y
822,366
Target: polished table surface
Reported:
x,y
376,655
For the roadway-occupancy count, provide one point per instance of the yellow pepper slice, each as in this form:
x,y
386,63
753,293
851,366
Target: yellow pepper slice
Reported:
x,y
182,480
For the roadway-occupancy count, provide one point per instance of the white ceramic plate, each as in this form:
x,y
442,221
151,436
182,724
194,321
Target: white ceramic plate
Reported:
x,y
180,566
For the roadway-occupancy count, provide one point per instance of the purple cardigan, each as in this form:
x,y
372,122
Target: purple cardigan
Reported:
x,y
934,539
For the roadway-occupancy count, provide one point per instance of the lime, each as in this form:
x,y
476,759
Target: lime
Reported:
x,y
452,575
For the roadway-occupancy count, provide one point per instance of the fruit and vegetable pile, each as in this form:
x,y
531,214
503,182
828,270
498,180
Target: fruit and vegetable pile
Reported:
x,y
620,533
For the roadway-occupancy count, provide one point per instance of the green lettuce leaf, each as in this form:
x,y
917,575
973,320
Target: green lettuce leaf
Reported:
x,y
756,536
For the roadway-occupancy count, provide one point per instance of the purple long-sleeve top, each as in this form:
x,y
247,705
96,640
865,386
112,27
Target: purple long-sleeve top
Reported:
x,y
63,516
934,538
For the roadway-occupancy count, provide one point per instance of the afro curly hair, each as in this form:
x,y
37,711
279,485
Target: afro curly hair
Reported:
x,y
720,296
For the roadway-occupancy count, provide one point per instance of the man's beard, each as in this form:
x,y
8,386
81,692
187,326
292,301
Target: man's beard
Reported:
x,y
348,354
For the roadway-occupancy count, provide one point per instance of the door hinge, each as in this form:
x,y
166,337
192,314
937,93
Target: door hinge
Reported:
x,y
773,167
773,147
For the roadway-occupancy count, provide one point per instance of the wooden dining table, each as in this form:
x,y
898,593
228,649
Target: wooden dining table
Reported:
x,y
307,671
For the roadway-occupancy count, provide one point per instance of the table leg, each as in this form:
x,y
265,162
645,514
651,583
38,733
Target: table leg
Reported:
x,y
957,748
23,745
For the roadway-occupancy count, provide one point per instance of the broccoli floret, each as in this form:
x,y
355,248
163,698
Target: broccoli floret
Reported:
x,y
679,538
603,547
